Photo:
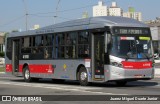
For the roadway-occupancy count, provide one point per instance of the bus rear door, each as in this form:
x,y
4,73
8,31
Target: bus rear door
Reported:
x,y
15,57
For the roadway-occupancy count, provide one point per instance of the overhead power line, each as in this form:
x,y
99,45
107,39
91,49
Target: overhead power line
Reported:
x,y
68,10
42,14
26,14
56,12
12,21
50,16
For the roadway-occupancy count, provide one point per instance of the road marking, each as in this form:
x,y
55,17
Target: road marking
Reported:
x,y
59,87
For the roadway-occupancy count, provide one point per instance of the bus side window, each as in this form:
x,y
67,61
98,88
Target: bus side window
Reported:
x,y
47,40
46,53
59,46
26,45
9,48
83,45
70,48
56,46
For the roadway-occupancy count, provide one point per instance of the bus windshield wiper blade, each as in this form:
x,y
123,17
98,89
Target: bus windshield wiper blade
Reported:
x,y
127,57
146,56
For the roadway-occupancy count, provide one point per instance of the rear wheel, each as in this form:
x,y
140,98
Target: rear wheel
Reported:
x,y
83,77
26,74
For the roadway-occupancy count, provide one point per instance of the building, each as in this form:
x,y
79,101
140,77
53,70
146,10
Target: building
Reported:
x,y
2,45
155,31
132,14
36,27
100,9
85,14
114,10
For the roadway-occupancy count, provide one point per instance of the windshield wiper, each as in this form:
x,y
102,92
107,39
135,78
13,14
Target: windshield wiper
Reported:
x,y
146,56
127,55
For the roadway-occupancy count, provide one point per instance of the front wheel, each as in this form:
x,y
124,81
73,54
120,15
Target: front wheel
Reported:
x,y
83,77
26,74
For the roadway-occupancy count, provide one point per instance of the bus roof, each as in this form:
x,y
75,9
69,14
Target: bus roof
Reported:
x,y
83,24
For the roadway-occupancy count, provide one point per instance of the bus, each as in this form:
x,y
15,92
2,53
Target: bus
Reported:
x,y
96,49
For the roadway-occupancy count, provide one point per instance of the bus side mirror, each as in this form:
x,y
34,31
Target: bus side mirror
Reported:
x,y
107,42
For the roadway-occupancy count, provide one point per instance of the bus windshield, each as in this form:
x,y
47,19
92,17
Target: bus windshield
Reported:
x,y
132,47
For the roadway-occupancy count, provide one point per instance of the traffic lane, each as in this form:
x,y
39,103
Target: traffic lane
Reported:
x,y
151,87
7,89
66,88
31,90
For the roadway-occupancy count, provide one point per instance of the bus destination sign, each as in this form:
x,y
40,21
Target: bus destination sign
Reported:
x,y
130,31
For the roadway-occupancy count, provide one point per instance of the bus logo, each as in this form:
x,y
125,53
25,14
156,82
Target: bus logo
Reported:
x,y
64,67
6,98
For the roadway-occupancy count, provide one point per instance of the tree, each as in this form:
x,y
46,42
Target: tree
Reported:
x,y
5,35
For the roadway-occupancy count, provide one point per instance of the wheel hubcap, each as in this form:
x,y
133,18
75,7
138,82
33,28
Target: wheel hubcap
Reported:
x,y
27,74
83,75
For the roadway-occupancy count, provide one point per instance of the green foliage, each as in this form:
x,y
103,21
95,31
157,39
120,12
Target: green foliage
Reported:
x,y
1,54
15,31
2,69
5,35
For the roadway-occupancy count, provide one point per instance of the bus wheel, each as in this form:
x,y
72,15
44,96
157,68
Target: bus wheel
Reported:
x,y
83,77
121,83
26,75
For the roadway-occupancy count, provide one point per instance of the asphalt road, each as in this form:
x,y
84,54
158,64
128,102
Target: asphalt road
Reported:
x,y
10,85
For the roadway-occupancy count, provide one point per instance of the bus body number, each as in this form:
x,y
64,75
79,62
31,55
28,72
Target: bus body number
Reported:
x,y
25,56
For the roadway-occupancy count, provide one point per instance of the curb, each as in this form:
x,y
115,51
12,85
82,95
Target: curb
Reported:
x,y
157,76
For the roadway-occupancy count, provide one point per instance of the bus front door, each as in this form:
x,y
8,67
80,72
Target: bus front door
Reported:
x,y
15,57
98,56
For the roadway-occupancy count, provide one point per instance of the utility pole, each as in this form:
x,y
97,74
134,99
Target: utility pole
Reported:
x,y
26,14
56,12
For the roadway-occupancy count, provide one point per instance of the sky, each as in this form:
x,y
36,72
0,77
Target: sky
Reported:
x,y
42,12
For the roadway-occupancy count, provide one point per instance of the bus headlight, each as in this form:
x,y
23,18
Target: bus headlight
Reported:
x,y
117,64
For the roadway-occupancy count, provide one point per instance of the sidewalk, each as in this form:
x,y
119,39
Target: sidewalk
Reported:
x,y
157,70
157,61
157,73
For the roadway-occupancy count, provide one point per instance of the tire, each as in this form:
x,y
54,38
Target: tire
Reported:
x,y
83,77
26,74
121,83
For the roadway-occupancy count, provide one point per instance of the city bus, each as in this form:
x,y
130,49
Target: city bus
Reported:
x,y
97,49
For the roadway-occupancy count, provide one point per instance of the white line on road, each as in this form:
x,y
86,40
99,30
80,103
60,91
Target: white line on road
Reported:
x,y
60,87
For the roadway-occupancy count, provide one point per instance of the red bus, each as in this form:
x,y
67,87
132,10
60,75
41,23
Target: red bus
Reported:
x,y
96,49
